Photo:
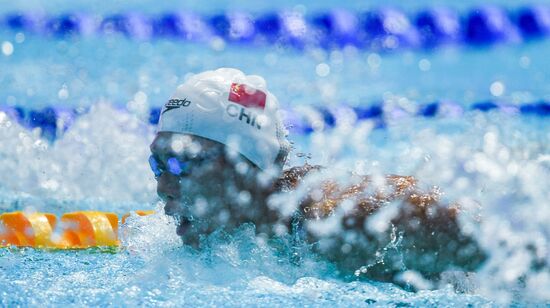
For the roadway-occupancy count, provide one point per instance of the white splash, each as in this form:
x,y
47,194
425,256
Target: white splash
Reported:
x,y
102,156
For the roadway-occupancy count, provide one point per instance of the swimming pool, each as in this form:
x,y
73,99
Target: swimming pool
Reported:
x,y
496,158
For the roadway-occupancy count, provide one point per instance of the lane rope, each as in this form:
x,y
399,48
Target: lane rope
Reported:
x,y
53,121
382,29
76,230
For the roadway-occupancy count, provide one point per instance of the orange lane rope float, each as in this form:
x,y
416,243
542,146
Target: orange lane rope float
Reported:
x,y
27,230
77,230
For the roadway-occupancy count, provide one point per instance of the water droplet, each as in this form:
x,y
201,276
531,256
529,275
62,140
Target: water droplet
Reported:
x,y
7,48
322,69
63,92
497,88
424,65
374,60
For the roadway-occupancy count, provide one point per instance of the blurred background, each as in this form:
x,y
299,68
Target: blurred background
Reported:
x,y
454,93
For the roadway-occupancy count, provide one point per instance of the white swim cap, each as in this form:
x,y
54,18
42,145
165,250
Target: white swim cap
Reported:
x,y
229,107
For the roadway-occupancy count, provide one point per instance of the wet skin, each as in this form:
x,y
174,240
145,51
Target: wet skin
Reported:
x,y
210,197
169,186
220,192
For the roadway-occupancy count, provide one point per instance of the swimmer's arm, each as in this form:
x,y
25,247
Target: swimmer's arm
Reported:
x,y
432,240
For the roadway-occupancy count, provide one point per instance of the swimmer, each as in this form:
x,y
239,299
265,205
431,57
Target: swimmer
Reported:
x,y
219,156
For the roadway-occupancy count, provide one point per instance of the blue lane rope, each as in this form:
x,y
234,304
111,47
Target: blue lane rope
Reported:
x,y
53,121
379,29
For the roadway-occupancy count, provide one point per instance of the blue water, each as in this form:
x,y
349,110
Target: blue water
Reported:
x,y
496,165
228,274
40,68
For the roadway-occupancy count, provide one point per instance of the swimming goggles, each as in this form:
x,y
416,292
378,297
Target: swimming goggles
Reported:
x,y
173,165
179,166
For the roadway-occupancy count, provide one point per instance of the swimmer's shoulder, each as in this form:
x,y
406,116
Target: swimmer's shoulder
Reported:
x,y
292,177
367,200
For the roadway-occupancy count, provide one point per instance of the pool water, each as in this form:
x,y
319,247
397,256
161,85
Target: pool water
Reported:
x,y
231,271
496,164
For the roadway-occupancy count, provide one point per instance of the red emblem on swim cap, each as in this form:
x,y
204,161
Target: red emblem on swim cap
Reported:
x,y
247,96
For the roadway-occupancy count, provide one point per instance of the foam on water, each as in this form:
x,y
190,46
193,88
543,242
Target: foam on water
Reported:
x,y
494,165
101,157
230,270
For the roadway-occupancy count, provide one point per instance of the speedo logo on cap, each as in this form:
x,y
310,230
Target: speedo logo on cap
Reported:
x,y
176,103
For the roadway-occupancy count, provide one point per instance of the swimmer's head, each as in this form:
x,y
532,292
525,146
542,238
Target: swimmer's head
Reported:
x,y
233,109
219,142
